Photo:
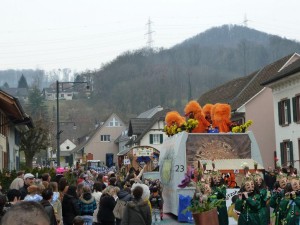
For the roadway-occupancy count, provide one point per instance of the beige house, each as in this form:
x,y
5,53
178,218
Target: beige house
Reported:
x,y
250,100
100,144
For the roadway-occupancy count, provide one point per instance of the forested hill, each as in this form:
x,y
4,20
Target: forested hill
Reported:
x,y
137,81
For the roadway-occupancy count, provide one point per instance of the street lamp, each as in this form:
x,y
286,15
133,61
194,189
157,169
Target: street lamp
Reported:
x,y
58,131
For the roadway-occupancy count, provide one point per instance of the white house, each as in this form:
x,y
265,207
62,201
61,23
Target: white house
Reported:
x,y
285,87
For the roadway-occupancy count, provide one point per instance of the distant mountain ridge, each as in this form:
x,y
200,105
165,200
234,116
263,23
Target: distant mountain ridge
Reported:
x,y
136,81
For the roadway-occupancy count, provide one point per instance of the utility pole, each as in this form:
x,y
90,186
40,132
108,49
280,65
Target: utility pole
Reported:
x,y
149,34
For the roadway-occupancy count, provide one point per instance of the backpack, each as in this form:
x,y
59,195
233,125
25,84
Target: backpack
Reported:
x,y
119,209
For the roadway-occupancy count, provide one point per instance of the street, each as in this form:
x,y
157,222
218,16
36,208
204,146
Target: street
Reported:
x,y
170,219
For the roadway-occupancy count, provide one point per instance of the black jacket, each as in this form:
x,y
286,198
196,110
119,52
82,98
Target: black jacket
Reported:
x,y
70,209
106,207
50,211
24,191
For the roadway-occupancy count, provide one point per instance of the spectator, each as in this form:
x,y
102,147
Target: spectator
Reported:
x,y
13,196
56,203
137,211
28,180
47,195
78,220
62,187
18,182
33,194
124,195
2,204
46,177
106,206
97,192
87,205
26,213
70,207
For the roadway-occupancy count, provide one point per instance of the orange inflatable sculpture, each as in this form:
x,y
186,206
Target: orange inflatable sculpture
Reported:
x,y
221,114
193,110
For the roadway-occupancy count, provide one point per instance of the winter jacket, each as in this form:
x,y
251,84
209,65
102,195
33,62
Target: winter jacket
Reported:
x,y
106,207
87,204
137,212
70,209
124,196
50,211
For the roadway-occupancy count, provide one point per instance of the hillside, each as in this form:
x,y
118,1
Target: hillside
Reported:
x,y
136,81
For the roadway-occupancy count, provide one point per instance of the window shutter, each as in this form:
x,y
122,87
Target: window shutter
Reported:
x,y
291,153
282,153
161,138
151,138
279,113
289,110
294,109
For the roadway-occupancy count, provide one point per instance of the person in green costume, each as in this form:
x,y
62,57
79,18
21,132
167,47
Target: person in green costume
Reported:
x,y
261,186
276,196
219,192
248,203
290,203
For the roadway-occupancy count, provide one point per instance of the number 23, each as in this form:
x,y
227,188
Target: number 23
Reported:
x,y
179,168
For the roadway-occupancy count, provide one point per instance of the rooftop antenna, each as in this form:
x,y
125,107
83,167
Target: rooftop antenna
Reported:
x,y
149,33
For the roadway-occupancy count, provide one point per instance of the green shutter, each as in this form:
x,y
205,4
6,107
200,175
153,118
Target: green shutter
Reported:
x,y
294,109
282,153
161,138
291,153
289,110
279,113
151,138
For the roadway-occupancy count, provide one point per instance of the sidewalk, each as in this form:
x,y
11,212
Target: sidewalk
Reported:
x,y
170,219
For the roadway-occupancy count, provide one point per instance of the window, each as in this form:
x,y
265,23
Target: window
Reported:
x,y
105,137
296,109
156,139
62,95
114,123
284,112
286,153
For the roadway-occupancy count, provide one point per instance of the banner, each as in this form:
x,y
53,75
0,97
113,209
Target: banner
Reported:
x,y
143,151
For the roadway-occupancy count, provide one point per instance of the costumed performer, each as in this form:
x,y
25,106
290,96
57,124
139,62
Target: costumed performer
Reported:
x,y
193,110
221,114
248,203
219,192
263,212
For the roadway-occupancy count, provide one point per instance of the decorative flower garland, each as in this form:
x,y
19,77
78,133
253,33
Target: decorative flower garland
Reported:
x,y
188,126
242,128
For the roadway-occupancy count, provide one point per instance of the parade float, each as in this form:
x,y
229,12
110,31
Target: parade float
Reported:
x,y
218,145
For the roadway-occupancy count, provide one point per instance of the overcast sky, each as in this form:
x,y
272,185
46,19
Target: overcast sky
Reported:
x,y
83,34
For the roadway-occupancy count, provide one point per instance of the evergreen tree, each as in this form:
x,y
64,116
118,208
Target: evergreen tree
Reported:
x,y
36,105
22,83
5,85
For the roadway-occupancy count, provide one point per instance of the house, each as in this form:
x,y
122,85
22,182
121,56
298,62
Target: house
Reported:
x,y
251,101
50,94
13,120
66,155
146,132
101,145
285,86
